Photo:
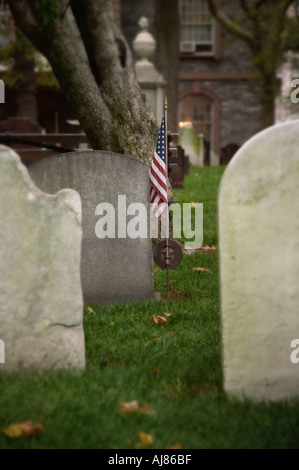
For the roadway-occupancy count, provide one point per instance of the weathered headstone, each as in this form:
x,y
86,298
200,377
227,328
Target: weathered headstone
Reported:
x,y
259,265
176,166
112,269
193,145
20,125
41,308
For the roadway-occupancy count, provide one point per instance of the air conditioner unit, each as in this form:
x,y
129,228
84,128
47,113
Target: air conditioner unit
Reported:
x,y
187,46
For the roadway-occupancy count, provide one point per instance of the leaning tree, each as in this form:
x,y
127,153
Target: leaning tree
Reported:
x,y
93,64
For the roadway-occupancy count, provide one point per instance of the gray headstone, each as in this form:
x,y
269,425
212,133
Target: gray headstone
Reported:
x,y
112,269
41,308
259,265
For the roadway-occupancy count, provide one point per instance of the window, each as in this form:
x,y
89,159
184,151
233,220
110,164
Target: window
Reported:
x,y
197,28
198,110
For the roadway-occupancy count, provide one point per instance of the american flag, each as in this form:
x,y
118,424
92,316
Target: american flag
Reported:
x,y
158,180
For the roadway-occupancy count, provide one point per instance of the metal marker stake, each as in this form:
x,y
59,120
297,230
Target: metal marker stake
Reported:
x,y
167,258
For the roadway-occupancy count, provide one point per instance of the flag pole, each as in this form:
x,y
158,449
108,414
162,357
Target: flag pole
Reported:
x,y
167,258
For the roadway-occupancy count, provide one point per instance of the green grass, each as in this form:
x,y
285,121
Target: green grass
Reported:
x,y
173,368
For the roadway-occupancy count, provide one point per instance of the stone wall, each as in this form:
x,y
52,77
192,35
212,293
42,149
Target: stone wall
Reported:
x,y
231,78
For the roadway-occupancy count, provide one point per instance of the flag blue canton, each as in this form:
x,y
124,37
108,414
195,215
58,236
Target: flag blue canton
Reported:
x,y
160,147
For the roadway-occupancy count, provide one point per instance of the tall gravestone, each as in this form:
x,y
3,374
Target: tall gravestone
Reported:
x,y
113,269
259,265
41,308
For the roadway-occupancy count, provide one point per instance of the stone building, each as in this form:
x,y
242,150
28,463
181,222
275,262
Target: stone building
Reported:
x,y
218,90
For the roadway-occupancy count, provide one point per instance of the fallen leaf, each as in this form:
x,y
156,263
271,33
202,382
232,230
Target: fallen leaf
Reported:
x,y
24,429
90,309
145,439
128,407
147,410
155,371
202,269
189,251
112,323
159,320
193,204
157,338
167,314
131,407
176,446
207,249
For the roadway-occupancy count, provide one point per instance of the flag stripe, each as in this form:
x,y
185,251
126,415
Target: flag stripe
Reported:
x,y
155,182
157,175
159,163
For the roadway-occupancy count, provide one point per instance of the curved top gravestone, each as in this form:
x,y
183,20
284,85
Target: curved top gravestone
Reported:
x,y
116,262
41,308
259,265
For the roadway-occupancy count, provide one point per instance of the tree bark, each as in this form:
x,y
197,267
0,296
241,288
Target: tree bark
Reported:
x,y
268,97
96,74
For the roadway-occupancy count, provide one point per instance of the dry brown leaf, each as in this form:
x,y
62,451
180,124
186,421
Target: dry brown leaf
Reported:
x,y
193,204
147,410
167,314
90,309
157,338
207,249
25,429
176,446
202,269
131,407
155,371
145,439
159,320
128,407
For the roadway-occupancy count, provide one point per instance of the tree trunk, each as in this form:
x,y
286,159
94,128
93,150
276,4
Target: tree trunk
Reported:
x,y
96,74
268,97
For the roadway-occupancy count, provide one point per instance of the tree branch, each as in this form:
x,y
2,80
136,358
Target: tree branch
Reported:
x,y
228,24
22,13
59,44
96,75
104,43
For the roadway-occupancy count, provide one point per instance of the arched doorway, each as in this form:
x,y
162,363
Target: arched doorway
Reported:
x,y
201,107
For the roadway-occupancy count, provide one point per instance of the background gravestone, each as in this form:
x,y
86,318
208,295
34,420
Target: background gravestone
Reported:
x,y
112,270
259,265
41,308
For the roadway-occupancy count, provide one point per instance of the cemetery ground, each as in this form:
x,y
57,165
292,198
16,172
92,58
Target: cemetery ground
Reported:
x,y
149,384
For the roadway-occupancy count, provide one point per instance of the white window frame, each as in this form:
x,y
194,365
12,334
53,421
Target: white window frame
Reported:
x,y
190,45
